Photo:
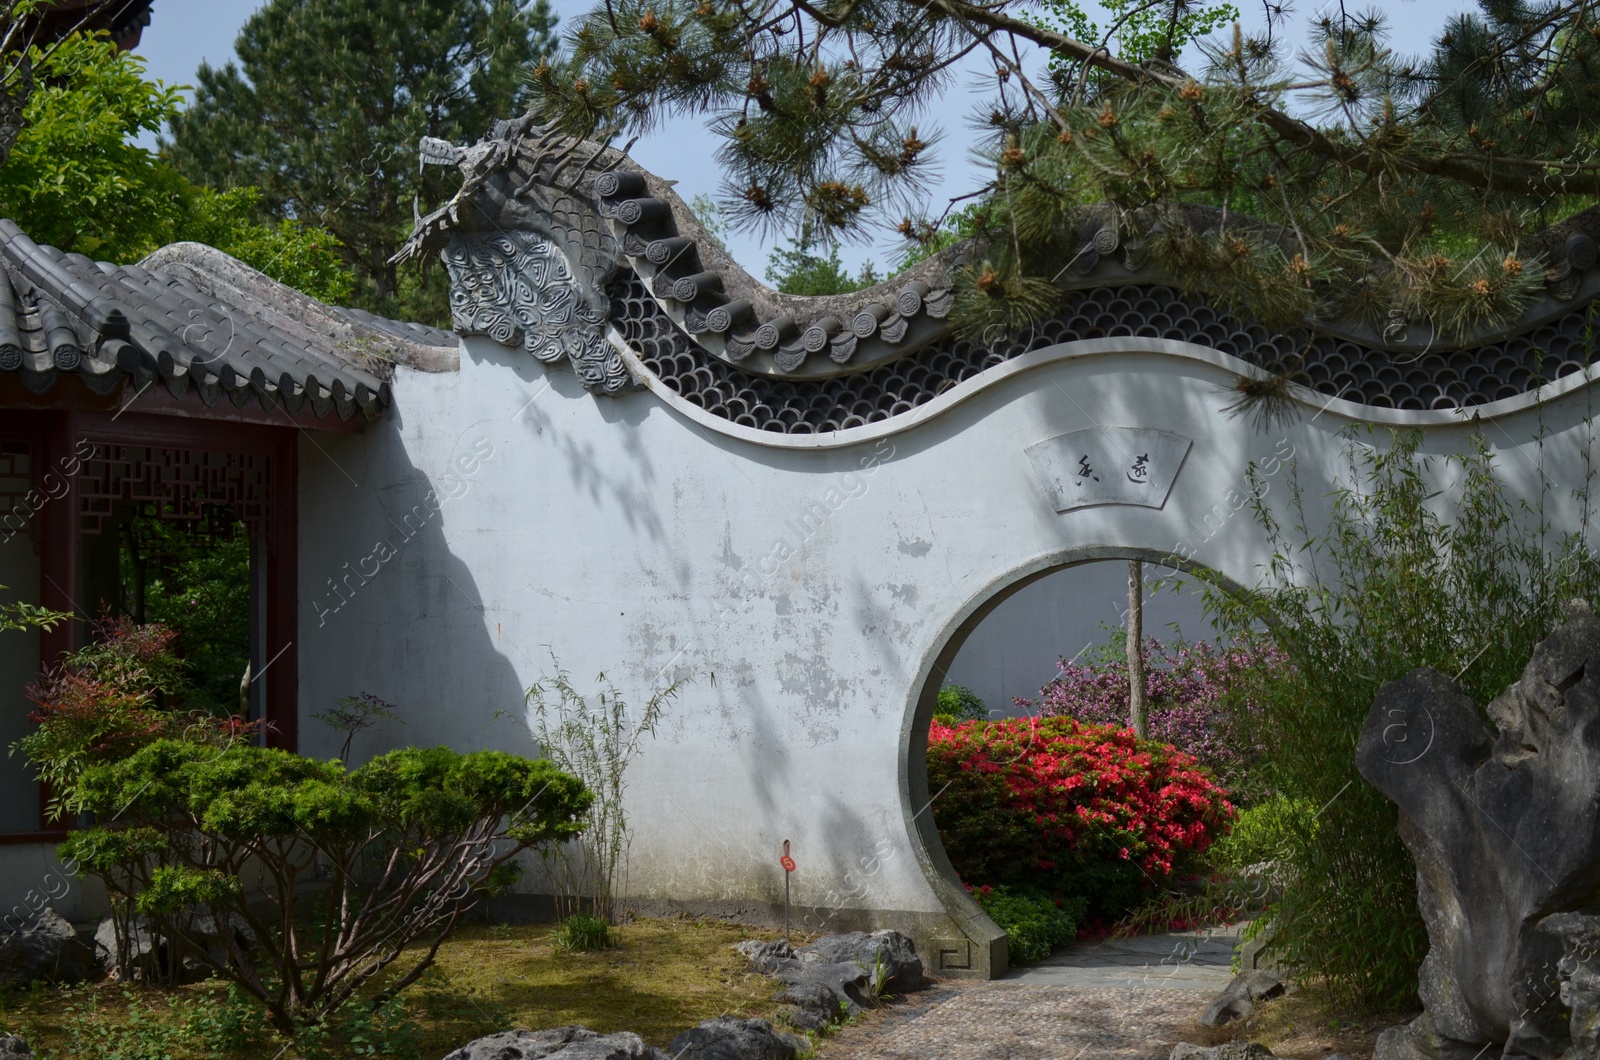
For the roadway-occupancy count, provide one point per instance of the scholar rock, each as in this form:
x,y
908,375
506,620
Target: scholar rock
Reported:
x,y
46,949
1238,998
726,1038
561,1043
1505,830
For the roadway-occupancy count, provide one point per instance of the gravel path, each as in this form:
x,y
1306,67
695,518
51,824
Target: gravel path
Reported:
x,y
1127,999
1015,1021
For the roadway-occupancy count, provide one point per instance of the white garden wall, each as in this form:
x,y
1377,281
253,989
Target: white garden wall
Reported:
x,y
501,516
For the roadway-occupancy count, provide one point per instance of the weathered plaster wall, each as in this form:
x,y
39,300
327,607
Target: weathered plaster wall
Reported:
x,y
502,515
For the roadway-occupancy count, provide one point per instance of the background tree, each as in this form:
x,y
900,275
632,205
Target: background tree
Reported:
x,y
29,31
1382,188
1138,715
328,101
75,178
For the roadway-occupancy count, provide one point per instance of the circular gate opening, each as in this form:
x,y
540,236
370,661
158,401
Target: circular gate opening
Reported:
x,y
1005,644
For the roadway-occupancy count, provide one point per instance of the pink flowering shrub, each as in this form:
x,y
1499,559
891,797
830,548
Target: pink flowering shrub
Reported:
x,y
1197,696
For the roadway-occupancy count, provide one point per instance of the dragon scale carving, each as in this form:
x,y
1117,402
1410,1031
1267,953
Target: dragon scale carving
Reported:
x,y
517,288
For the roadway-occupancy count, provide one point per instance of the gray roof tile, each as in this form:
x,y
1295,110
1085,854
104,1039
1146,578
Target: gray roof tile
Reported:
x,y
64,314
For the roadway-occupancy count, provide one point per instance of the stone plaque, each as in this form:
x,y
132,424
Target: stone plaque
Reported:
x,y
1109,465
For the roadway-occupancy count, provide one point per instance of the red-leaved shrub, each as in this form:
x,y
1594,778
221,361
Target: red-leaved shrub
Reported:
x,y
1073,809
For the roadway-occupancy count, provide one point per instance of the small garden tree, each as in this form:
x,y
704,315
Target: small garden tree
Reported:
x,y
200,829
595,742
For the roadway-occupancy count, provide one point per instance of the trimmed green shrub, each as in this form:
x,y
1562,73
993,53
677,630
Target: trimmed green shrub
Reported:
x,y
197,820
1035,925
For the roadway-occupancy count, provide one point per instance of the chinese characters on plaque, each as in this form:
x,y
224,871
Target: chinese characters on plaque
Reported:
x,y
1109,465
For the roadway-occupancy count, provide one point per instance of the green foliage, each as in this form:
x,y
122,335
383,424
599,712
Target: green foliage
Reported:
x,y
594,742
21,615
583,934
957,703
796,270
141,1033
355,714
408,841
230,1024
381,1030
1142,31
74,178
328,101
1265,832
104,701
1035,925
191,817
306,258
198,586
1384,586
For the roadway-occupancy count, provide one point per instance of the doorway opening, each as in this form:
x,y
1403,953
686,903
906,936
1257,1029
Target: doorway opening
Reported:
x,y
1025,652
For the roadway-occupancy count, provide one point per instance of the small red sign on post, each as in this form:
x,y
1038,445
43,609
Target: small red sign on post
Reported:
x,y
788,866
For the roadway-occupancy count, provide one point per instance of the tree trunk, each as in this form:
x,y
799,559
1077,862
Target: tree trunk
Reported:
x,y
1136,704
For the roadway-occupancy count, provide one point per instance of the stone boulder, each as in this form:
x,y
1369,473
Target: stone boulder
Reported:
x,y
1504,827
890,958
1238,999
1226,1051
838,975
46,949
149,947
14,1048
726,1038
561,1043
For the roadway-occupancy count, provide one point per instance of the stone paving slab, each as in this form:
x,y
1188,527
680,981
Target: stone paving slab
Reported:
x,y
1020,1021
1118,999
1177,960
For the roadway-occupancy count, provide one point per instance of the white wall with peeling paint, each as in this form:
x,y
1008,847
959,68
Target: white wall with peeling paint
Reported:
x,y
501,518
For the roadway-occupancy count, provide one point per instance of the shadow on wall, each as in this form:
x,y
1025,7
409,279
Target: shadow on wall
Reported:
x,y
387,608
1013,651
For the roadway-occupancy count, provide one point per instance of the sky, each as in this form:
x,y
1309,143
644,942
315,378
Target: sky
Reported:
x,y
184,33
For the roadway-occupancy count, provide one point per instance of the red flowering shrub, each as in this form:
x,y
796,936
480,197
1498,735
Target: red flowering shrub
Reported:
x,y
1074,809
110,698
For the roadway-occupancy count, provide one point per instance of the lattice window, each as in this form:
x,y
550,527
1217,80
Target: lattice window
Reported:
x,y
203,489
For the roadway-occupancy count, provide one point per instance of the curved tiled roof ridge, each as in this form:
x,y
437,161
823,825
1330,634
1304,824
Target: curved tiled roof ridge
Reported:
x,y
192,317
1458,379
701,286
542,221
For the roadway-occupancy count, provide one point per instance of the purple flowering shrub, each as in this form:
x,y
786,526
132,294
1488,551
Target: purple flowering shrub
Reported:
x,y
1198,696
